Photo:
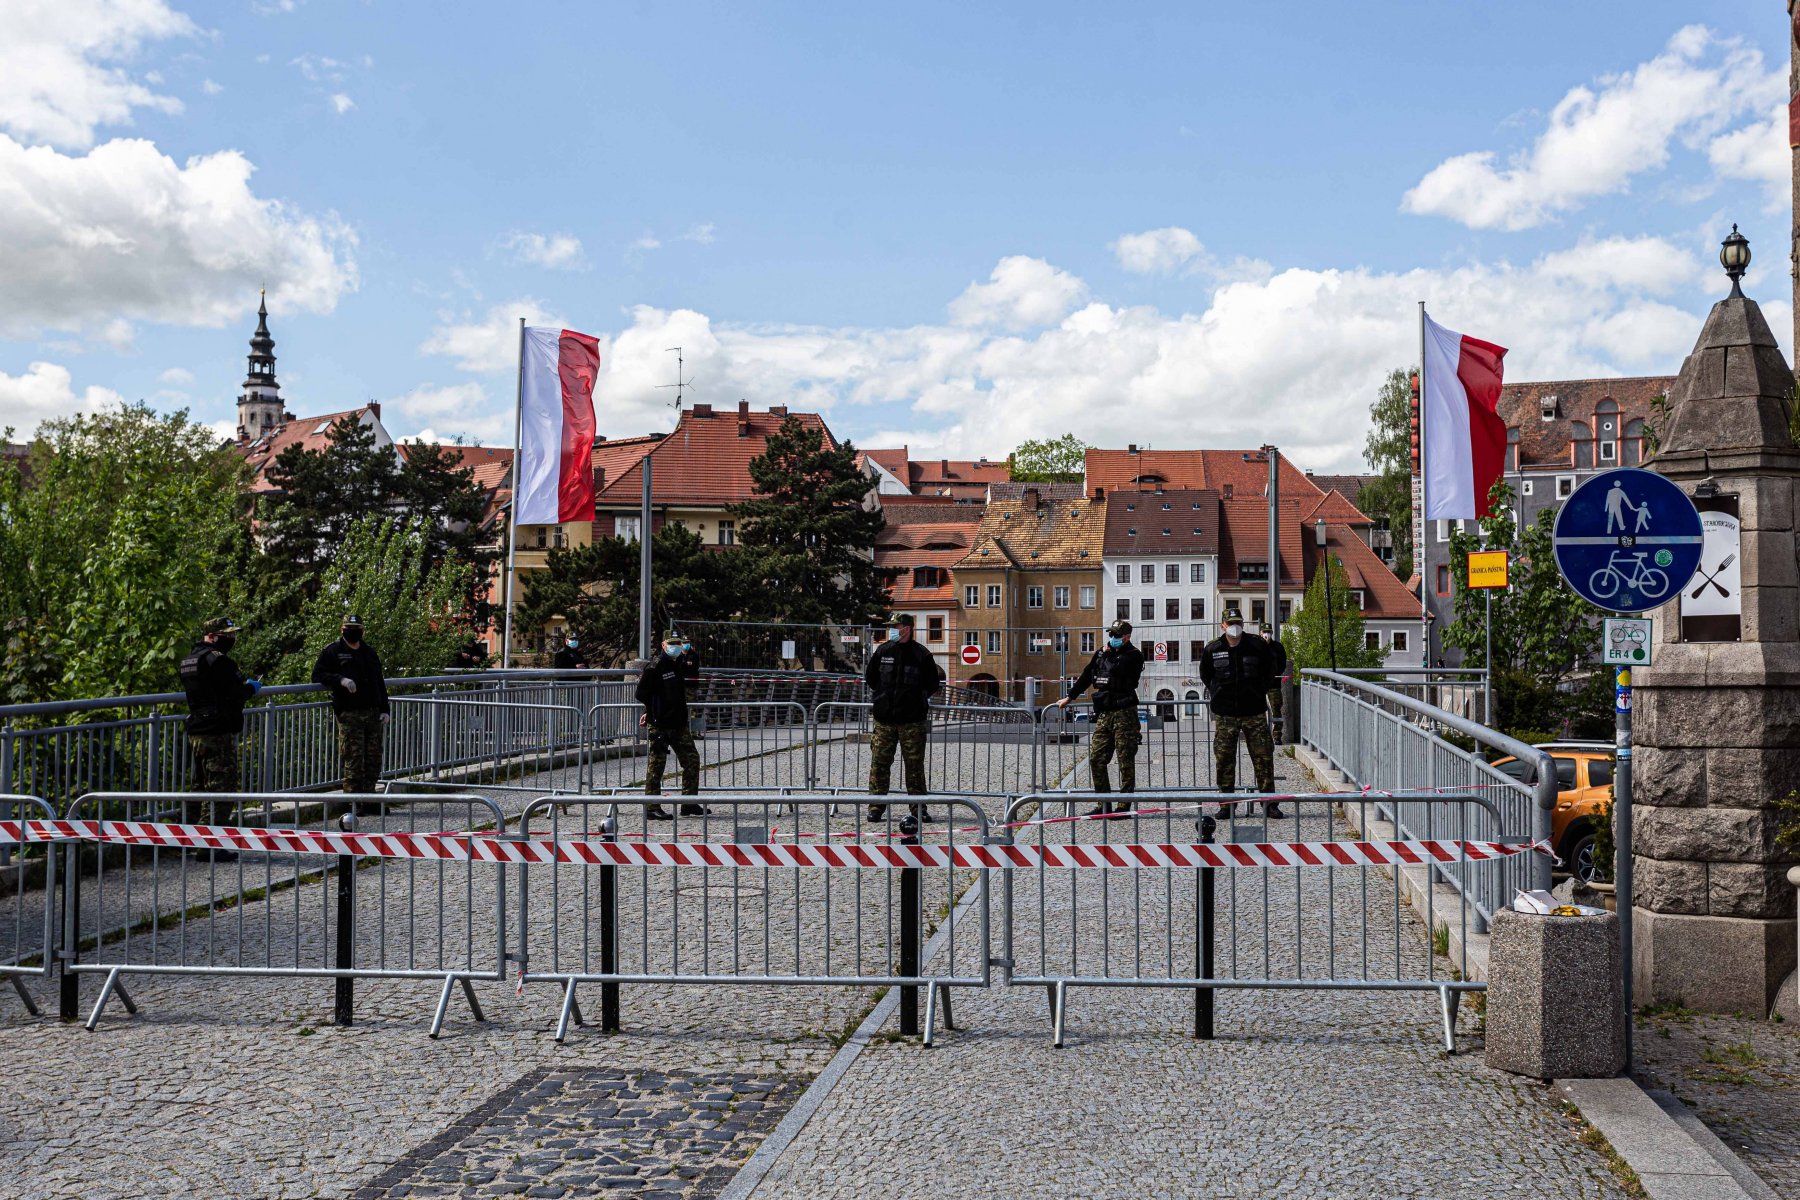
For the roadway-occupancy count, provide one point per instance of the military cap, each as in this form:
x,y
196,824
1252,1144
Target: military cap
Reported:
x,y
1234,614
220,625
903,619
352,619
1119,628
672,635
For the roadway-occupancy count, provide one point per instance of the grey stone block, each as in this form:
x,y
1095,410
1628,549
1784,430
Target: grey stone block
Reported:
x,y
1556,1005
1709,963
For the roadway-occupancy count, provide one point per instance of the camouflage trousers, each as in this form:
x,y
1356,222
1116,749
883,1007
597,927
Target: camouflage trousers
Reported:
x,y
682,742
215,770
1255,732
1115,731
909,739
359,749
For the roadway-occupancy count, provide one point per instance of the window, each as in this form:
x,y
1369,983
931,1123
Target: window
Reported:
x,y
1033,644
971,637
1609,451
626,528
1122,609
993,641
1122,574
1171,610
934,629
1565,486
1059,597
540,535
1174,650
1197,573
558,537
1147,573
1062,641
1565,773
1372,639
1251,571
993,595
727,533
1089,597
1172,573
1287,611
1196,609
972,596
1443,581
1525,487
1034,597
1356,594
1087,642
1259,611
928,577
1196,648
1600,772
1443,530
1399,642
1147,610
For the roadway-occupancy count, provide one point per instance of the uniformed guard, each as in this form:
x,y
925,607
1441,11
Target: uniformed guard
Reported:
x,y
570,657
1280,678
1237,670
216,691
351,669
902,677
1113,673
662,690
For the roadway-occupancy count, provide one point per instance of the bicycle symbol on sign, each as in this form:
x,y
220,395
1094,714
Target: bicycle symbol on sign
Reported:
x,y
1634,572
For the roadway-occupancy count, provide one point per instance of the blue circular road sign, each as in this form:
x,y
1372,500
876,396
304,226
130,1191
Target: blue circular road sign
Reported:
x,y
1627,540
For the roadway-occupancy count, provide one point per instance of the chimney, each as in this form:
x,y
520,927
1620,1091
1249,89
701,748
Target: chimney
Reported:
x,y
944,467
702,410
778,410
743,410
1131,449
375,407
1228,491
1099,494
1031,499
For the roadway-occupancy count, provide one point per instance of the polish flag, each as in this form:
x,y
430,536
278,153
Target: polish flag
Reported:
x,y
1465,439
554,472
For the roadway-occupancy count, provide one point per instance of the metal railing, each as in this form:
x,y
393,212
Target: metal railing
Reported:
x,y
1387,742
1465,691
28,889
754,745
987,750
1176,753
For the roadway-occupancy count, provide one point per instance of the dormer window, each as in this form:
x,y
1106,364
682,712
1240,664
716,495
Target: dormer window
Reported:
x,y
1549,407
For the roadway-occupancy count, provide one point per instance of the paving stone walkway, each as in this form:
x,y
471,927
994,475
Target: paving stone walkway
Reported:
x,y
1740,1076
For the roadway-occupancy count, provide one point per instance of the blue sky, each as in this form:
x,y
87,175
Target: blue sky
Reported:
x,y
950,225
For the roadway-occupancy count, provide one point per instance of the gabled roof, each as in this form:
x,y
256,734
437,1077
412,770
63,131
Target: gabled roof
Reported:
x,y
936,535
1013,491
1181,521
957,478
1245,538
1551,443
1350,485
1228,472
1384,596
1058,535
1335,509
310,433
705,461
613,459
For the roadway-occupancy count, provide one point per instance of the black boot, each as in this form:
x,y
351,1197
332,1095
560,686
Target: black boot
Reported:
x,y
924,814
657,812
694,810
1275,813
878,812
1226,810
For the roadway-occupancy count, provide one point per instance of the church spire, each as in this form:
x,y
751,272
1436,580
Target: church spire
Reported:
x,y
259,406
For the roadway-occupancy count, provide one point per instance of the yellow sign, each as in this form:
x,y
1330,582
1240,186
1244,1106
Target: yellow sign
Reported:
x,y
1487,568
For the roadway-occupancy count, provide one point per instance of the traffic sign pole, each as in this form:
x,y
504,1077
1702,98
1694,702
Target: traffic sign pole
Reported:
x,y
1621,819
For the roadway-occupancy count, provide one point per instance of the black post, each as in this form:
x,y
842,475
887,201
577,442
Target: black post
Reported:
x,y
909,930
346,927
1203,940
1331,617
69,1007
609,933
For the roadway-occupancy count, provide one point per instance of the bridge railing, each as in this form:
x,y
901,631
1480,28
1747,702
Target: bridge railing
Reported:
x,y
1385,741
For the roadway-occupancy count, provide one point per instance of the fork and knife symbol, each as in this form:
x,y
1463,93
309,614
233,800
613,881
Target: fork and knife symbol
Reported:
x,y
1711,579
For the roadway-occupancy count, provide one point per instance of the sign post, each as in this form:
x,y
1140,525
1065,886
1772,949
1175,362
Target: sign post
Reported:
x,y
1627,541
1488,570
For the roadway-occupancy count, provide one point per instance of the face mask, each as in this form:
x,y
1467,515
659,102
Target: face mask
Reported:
x,y
893,635
1114,642
572,643
672,651
1234,631
353,635
687,647
225,641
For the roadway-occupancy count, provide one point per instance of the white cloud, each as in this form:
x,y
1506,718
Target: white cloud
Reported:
x,y
44,391
441,414
210,87
1021,293
57,81
1759,152
490,342
557,251
1598,138
1158,251
648,241
320,68
702,233
340,103
126,233
177,375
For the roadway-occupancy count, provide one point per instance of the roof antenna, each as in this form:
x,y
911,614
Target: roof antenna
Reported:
x,y
680,383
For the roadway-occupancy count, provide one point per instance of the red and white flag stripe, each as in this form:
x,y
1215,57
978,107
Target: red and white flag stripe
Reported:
x,y
555,470
485,847
1465,438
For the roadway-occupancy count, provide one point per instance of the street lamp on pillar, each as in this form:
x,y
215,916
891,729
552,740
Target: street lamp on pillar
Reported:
x,y
1734,256
1325,565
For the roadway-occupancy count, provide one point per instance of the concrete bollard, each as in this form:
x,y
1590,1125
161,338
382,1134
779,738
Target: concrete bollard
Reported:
x,y
1555,1001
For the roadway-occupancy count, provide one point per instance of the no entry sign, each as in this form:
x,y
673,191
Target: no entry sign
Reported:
x,y
972,655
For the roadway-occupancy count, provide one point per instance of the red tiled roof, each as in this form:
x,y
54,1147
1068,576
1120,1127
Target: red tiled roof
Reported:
x,y
312,433
612,459
1384,596
1214,470
705,461
1551,443
1245,536
924,535
960,478
1351,485
1335,508
1059,535
1178,521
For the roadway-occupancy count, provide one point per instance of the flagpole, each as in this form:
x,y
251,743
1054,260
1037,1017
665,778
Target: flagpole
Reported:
x,y
512,516
1423,548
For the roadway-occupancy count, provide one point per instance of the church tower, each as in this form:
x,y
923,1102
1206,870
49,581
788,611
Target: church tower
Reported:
x,y
259,407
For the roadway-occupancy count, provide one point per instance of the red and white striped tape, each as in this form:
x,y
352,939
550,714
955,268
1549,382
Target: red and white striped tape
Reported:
x,y
479,847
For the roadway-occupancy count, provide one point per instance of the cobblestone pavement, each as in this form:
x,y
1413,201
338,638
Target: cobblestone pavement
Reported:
x,y
1740,1076
1300,1094
554,1133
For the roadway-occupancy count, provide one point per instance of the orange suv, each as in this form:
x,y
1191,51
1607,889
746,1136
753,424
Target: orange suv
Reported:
x,y
1584,779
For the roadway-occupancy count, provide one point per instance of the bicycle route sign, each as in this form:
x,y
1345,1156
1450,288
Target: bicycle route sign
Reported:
x,y
1627,540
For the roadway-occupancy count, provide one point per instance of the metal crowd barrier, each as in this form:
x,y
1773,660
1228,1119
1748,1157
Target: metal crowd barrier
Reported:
x,y
502,744
1329,926
744,745
28,887
970,750
140,910
1175,755
606,924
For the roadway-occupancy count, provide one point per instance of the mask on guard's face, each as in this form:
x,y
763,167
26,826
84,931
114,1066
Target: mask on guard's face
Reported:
x,y
225,641
893,634
353,634
1115,642
573,643
673,650
1234,631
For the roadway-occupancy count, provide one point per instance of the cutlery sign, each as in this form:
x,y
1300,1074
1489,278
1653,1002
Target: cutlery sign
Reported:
x,y
1715,589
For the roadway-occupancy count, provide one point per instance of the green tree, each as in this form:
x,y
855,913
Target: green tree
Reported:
x,y
808,534
117,536
1544,635
413,603
595,589
1388,451
1050,460
1309,637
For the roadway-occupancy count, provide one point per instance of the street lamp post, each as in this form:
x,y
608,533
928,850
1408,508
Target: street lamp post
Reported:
x,y
1325,565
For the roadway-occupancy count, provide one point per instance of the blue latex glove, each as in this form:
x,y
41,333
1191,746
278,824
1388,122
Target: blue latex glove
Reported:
x,y
255,685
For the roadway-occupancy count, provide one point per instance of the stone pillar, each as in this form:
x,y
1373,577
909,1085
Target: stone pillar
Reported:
x,y
1718,722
